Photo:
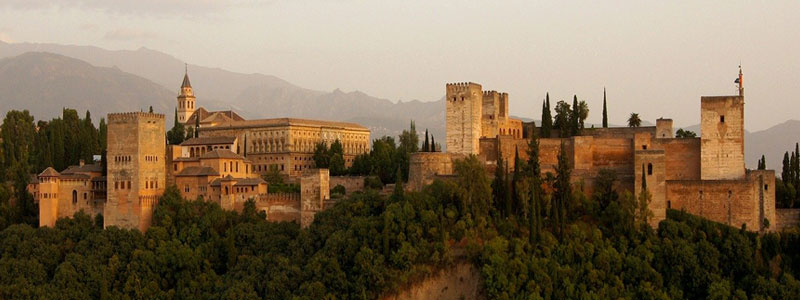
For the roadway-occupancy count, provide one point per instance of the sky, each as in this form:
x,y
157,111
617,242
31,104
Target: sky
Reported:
x,y
655,58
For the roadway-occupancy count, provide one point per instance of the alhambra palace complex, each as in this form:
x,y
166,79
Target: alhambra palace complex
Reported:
x,y
705,176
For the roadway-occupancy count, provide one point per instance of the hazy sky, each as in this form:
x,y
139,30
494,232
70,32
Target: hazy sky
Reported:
x,y
654,57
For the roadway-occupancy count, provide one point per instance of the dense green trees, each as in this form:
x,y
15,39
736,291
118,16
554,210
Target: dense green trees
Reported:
x,y
177,134
685,133
370,244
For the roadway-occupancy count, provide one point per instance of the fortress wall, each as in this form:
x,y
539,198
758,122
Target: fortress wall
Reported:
x,y
682,157
280,207
619,132
786,219
731,202
350,183
425,166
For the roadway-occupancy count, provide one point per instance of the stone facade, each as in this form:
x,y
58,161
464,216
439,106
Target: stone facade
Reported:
x,y
314,191
285,144
288,144
722,127
704,176
61,195
136,177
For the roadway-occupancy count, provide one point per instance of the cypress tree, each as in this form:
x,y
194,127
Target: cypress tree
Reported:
x,y
796,165
575,117
547,119
426,145
515,179
498,185
563,192
433,144
605,110
785,171
197,126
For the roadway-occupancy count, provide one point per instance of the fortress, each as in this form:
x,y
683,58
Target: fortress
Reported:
x,y
223,164
705,176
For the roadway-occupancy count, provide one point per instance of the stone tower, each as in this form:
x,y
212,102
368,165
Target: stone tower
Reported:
x,y
186,100
48,199
722,136
664,128
463,117
136,168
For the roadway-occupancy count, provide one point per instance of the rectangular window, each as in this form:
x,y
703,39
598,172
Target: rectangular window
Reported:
x,y
722,119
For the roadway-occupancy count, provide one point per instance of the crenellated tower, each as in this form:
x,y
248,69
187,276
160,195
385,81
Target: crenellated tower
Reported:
x,y
186,100
463,114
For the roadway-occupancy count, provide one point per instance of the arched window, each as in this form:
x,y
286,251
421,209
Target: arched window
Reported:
x,y
649,169
226,190
74,196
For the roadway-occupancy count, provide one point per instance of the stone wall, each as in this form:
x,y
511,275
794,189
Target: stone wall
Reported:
x,y
425,166
281,207
314,191
722,137
350,183
682,157
786,219
733,202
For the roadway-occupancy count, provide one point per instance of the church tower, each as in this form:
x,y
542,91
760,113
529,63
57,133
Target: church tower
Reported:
x,y
186,100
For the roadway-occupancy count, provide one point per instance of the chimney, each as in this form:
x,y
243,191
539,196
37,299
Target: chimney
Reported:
x,y
81,162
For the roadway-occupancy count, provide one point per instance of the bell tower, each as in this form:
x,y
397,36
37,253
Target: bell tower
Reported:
x,y
186,100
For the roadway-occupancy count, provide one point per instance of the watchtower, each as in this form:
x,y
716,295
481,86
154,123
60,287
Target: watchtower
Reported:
x,y
722,136
464,103
136,168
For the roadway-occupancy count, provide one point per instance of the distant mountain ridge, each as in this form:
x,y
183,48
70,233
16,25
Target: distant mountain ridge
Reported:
x,y
252,95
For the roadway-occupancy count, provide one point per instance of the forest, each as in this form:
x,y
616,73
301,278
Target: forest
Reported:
x,y
531,235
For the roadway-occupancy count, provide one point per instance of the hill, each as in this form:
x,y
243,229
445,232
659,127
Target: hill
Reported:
x,y
253,95
44,83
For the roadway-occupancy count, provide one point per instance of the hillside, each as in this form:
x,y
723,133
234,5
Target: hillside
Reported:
x,y
44,83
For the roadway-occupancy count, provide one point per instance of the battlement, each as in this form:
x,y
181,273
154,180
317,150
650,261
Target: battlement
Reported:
x,y
493,92
715,99
127,116
462,86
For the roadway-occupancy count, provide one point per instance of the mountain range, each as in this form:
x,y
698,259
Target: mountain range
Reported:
x,y
44,78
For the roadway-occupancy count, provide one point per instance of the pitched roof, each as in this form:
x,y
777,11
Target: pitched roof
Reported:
x,y
90,168
219,116
221,153
74,176
250,181
49,172
212,140
198,171
186,81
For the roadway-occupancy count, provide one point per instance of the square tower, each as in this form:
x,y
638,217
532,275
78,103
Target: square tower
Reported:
x,y
722,138
136,168
464,103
